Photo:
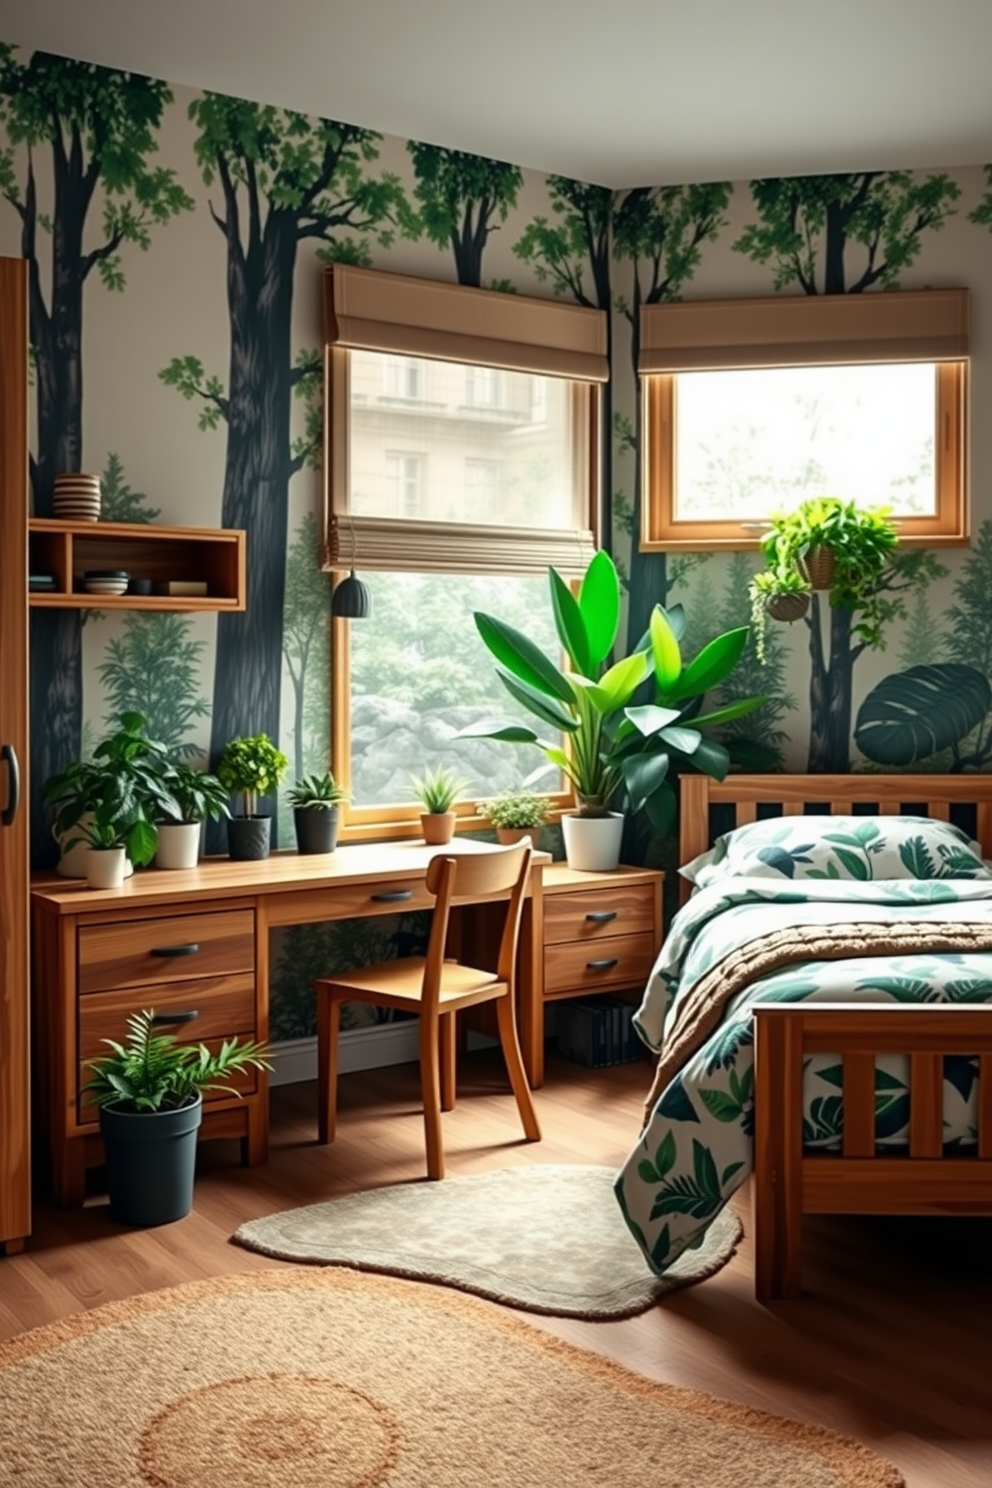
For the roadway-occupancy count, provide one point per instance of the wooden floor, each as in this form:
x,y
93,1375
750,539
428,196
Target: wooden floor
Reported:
x,y
891,1343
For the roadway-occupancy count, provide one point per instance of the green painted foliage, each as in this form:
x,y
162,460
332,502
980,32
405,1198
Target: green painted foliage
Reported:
x,y
807,224
911,715
153,668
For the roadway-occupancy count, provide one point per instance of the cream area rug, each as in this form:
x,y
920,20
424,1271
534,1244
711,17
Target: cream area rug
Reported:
x,y
547,1238
338,1379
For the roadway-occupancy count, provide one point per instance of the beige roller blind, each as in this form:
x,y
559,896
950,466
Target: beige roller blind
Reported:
x,y
375,311
927,325
381,544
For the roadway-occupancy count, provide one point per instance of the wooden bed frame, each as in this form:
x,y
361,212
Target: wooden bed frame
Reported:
x,y
787,1183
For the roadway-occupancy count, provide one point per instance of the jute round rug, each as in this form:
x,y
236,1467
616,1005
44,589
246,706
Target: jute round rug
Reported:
x,y
338,1379
548,1238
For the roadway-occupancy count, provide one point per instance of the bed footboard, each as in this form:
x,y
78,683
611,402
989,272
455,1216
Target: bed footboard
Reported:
x,y
789,1183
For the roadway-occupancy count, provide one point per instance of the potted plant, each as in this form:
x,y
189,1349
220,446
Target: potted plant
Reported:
x,y
150,1094
835,545
315,800
614,752
437,791
250,766
196,796
781,592
111,801
515,814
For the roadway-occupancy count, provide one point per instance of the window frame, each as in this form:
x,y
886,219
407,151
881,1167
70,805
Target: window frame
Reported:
x,y
548,337
895,327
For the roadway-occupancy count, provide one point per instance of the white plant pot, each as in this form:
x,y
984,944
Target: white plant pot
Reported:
x,y
592,843
104,867
72,864
178,844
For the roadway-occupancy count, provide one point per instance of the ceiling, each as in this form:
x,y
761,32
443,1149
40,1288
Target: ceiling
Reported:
x,y
617,92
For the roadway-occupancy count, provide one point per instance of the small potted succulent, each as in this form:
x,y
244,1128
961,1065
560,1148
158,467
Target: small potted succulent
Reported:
x,y
315,800
515,814
150,1094
437,791
198,796
250,766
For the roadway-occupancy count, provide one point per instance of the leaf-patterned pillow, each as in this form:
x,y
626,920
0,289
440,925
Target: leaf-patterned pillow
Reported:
x,y
840,847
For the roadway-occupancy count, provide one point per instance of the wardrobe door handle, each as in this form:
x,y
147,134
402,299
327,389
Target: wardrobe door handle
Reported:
x,y
601,916
190,949
393,896
9,753
186,1016
603,965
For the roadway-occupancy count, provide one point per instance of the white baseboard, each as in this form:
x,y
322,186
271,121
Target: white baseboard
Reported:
x,y
360,1049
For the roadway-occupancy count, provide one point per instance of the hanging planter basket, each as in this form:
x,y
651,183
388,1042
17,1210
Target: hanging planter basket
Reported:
x,y
818,567
787,606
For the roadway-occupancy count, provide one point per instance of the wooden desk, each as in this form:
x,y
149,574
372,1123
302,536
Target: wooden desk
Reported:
x,y
199,939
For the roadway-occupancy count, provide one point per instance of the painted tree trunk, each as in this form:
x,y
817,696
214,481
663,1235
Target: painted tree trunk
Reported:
x,y
256,484
648,571
468,243
831,686
56,636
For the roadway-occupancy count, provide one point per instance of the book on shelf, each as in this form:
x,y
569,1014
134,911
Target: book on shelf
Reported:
x,y
188,587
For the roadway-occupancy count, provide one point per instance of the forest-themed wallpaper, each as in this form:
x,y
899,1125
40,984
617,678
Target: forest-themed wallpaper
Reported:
x,y
175,242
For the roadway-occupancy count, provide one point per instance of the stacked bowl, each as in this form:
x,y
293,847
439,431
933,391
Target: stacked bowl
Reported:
x,y
76,497
105,580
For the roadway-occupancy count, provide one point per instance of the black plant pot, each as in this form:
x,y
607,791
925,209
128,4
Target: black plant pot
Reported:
x,y
249,837
316,828
151,1160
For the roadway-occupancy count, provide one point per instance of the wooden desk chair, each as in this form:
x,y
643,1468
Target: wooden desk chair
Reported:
x,y
436,988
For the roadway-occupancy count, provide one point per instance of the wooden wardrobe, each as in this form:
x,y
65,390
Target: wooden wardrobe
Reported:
x,y
15,1154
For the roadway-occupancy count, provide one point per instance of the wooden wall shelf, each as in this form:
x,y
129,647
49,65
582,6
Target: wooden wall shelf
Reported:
x,y
66,550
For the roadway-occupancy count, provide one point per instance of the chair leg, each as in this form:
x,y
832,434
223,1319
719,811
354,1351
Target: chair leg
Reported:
x,y
515,1068
430,1085
447,1049
328,1024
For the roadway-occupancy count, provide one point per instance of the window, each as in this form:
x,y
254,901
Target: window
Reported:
x,y
403,485
453,499
751,406
402,377
482,387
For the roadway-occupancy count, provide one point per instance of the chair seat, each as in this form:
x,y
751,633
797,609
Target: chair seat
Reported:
x,y
403,979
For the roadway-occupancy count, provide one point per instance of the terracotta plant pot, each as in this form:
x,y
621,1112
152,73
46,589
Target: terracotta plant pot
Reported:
x,y
787,606
438,827
506,836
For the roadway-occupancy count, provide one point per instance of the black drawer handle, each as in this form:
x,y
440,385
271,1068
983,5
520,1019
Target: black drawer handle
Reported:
x,y
603,965
601,916
190,949
185,1017
392,897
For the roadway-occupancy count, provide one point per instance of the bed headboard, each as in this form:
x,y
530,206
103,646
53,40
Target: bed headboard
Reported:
x,y
888,795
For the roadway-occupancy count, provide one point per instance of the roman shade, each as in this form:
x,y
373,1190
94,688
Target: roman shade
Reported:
x,y
375,311
927,325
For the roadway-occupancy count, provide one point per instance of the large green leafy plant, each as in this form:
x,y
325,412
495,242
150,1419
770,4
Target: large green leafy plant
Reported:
x,y
617,751
119,794
153,1072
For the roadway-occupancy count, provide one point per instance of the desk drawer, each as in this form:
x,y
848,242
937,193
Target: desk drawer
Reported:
x,y
592,914
143,953
620,961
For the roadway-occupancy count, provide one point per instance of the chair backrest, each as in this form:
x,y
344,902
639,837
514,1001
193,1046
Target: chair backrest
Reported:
x,y
500,871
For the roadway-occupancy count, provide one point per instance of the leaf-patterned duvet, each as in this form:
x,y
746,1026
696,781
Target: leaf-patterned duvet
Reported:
x,y
754,939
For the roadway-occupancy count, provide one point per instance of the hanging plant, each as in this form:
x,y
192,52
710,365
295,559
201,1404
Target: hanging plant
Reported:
x,y
829,543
